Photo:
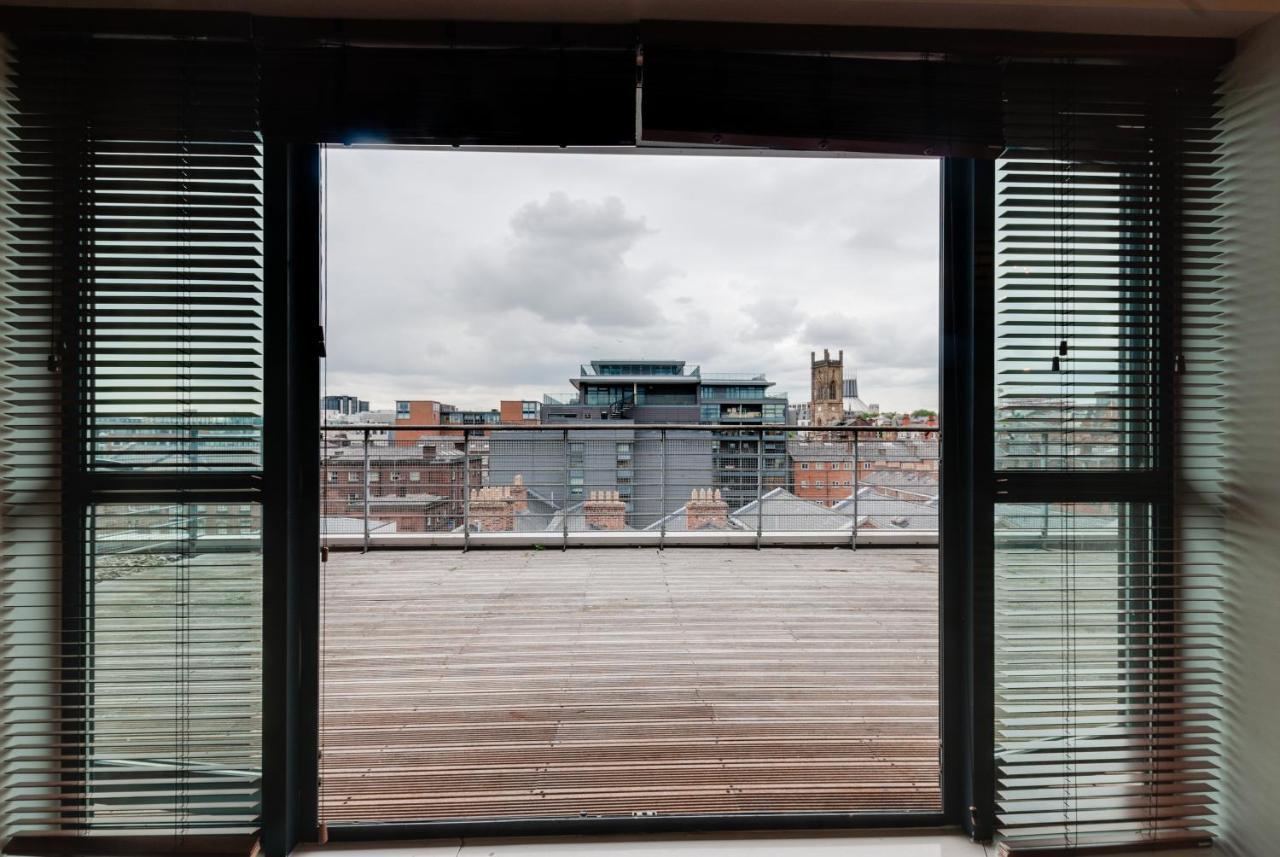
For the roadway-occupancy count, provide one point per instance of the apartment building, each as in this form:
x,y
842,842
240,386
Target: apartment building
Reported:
x,y
433,419
739,461
344,404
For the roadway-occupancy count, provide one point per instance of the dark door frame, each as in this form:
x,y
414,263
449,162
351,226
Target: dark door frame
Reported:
x,y
292,556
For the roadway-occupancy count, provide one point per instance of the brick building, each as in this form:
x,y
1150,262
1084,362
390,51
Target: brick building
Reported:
x,y
822,472
430,413
418,489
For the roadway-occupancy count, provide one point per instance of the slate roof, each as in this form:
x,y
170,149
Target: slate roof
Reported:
x,y
782,511
678,522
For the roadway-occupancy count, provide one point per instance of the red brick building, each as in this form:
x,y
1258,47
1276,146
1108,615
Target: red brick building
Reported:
x,y
430,413
822,472
417,489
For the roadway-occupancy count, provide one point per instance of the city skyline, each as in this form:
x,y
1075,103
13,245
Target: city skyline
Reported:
x,y
471,277
350,402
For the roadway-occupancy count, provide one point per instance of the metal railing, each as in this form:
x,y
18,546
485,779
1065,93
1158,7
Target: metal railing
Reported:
x,y
623,483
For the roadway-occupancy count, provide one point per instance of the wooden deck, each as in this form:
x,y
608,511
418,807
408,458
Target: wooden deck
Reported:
x,y
501,684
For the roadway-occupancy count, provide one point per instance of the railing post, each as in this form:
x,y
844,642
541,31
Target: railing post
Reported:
x,y
662,507
564,507
366,490
854,536
759,487
466,491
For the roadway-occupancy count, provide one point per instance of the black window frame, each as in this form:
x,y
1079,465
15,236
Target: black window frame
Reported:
x,y
289,486
966,195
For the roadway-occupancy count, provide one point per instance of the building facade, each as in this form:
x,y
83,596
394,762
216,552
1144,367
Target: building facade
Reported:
x,y
630,460
415,489
344,404
823,471
432,419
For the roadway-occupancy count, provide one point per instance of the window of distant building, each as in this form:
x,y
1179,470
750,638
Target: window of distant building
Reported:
x,y
818,484
529,410
818,465
415,476
352,476
395,476
373,476
804,465
333,476
804,483
402,410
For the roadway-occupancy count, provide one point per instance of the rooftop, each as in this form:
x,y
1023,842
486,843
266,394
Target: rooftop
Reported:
x,y
609,682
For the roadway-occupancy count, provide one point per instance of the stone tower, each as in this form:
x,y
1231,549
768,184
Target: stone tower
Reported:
x,y
826,394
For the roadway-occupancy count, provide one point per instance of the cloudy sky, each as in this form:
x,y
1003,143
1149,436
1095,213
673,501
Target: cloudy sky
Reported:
x,y
469,277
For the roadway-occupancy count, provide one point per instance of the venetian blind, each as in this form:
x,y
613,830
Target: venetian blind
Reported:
x,y
133,215
30,472
1109,617
1107,680
1080,288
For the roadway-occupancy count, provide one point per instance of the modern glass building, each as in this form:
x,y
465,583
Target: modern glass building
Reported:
x,y
646,392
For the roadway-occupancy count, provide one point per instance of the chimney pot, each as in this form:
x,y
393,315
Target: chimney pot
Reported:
x,y
706,510
603,510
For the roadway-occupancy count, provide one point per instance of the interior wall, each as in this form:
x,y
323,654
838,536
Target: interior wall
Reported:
x,y
1251,435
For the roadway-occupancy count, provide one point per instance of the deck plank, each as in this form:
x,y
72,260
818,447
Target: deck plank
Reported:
x,y
613,681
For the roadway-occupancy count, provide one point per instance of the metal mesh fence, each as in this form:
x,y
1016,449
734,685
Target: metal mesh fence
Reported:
x,y
632,481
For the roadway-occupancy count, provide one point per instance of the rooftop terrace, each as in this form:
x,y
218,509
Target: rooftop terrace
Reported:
x,y
597,682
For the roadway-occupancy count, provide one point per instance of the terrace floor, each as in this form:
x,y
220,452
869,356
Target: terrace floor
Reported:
x,y
520,683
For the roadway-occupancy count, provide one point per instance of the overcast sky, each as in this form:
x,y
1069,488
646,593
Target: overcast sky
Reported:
x,y
469,277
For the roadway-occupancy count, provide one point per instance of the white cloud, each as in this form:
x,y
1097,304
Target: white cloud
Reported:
x,y
471,277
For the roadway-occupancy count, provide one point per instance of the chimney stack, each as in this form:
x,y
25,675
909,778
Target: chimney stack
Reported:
x,y
706,510
604,511
492,510
519,493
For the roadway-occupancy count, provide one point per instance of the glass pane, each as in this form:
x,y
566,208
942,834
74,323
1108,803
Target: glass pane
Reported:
x,y
172,371
1077,344
1107,676
174,595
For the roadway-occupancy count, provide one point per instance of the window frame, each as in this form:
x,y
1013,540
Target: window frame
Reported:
x,y
965,775
291,238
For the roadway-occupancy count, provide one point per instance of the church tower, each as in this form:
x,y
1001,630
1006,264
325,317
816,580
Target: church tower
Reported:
x,y
826,388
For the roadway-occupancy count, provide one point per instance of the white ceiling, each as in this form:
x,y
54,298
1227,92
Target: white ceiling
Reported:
x,y
1220,18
